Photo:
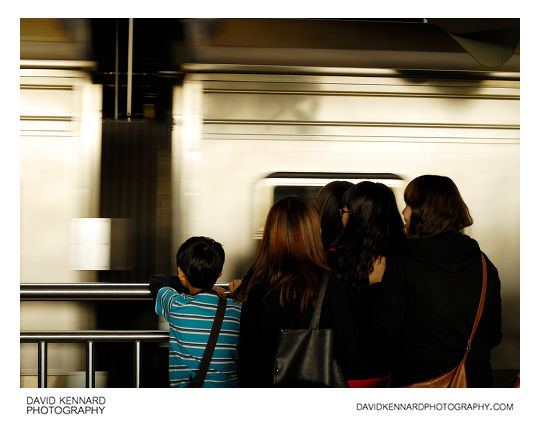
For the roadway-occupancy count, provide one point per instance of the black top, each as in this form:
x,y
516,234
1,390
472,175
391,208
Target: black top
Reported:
x,y
426,305
373,354
262,319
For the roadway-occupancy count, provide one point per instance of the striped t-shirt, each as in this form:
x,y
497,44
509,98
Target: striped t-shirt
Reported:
x,y
190,320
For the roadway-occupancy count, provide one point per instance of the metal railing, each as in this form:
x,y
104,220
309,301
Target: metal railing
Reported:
x,y
88,292
42,338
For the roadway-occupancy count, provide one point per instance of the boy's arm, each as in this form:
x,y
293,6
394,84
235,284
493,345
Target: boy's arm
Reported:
x,y
166,290
159,281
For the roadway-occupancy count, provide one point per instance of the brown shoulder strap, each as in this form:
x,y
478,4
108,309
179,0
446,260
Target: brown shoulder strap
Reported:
x,y
481,303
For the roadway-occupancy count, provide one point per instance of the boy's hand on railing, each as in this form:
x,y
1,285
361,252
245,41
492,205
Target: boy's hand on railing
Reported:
x,y
235,283
220,291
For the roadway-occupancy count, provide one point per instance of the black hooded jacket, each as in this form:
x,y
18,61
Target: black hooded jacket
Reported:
x,y
426,305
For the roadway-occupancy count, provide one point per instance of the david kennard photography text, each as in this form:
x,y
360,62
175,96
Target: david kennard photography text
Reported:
x,y
67,405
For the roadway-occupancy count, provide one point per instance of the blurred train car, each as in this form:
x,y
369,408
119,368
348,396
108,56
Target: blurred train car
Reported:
x,y
264,126
240,140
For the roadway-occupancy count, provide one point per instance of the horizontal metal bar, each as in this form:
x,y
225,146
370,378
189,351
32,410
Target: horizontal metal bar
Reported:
x,y
514,96
398,124
57,64
334,175
198,71
87,291
46,118
48,87
75,336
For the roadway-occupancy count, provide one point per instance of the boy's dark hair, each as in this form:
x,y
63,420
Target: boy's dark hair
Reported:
x,y
201,259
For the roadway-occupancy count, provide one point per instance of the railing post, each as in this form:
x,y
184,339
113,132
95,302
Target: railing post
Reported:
x,y
90,369
137,364
42,364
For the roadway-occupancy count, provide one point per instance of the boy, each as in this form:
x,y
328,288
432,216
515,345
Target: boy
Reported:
x,y
189,303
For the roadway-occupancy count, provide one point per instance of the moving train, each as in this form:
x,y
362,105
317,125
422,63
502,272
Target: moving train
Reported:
x,y
242,136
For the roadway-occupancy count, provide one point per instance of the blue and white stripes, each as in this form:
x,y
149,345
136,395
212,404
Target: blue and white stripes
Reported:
x,y
190,320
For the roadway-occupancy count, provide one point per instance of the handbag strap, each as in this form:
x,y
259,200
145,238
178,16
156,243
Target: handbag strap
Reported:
x,y
212,340
480,304
317,311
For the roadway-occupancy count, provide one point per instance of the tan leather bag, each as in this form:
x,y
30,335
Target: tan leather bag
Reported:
x,y
456,377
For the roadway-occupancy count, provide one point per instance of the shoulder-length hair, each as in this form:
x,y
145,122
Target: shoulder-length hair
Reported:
x,y
436,207
374,228
290,258
328,201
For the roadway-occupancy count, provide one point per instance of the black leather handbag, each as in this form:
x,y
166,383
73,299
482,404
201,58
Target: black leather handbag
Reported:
x,y
304,356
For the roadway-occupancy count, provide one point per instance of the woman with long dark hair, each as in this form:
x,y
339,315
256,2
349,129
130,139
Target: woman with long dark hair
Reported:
x,y
372,234
373,231
328,202
429,296
280,289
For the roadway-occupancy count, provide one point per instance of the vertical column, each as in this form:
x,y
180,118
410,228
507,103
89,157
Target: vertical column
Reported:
x,y
130,68
186,158
137,364
90,369
116,75
42,364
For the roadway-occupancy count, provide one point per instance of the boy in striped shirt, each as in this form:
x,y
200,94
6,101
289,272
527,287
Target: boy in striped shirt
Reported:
x,y
189,303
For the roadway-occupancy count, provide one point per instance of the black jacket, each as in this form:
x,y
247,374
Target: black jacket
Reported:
x,y
263,317
426,305
372,357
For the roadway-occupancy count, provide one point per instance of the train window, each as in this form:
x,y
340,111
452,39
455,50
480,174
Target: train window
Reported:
x,y
306,192
277,185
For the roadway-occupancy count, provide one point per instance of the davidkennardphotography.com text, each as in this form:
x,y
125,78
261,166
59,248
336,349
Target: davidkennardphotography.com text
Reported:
x,y
439,406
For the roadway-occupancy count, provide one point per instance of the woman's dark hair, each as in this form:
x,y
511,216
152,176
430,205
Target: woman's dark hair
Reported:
x,y
374,228
328,201
291,257
436,206
201,259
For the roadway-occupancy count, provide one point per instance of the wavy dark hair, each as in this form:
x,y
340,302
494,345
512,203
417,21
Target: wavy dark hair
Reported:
x,y
290,258
328,201
436,207
374,228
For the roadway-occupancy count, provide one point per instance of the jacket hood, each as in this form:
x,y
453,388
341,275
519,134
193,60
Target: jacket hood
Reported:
x,y
449,251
